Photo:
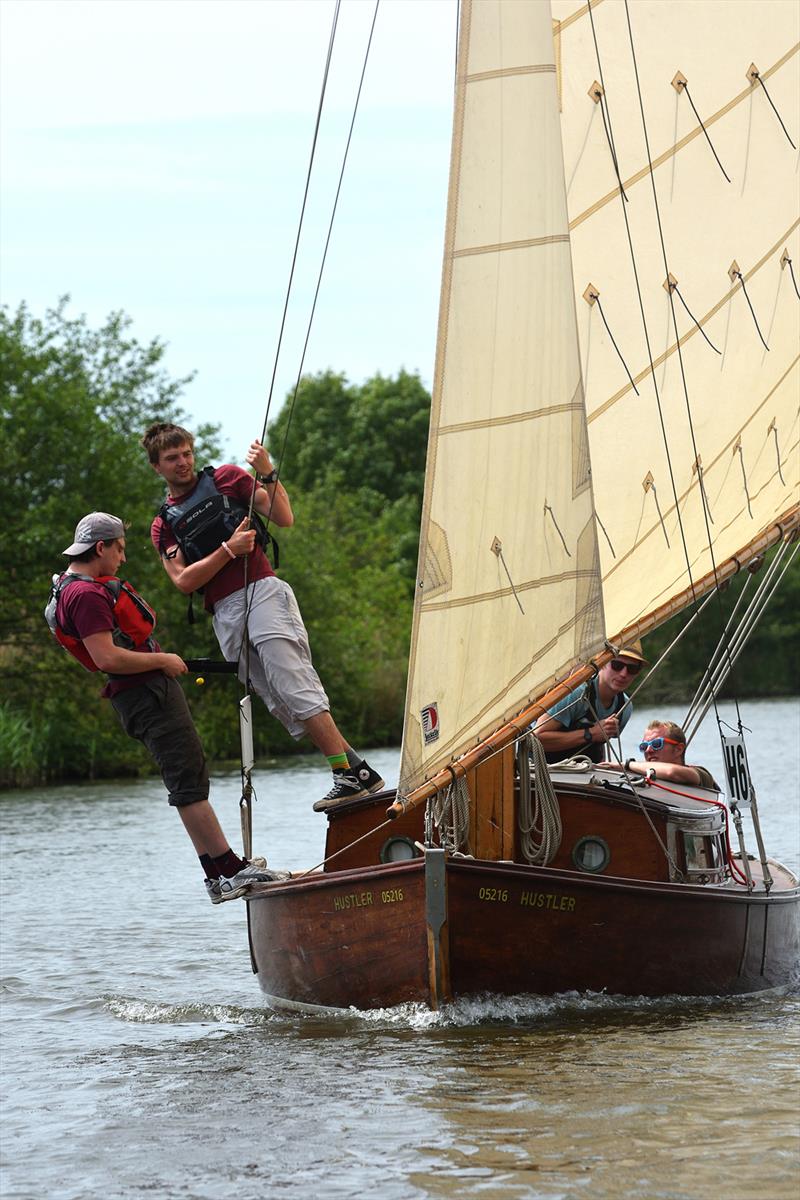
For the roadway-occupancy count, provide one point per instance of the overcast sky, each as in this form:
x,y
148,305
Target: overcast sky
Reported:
x,y
153,160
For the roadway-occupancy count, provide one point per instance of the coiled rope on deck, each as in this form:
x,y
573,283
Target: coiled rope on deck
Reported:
x,y
540,825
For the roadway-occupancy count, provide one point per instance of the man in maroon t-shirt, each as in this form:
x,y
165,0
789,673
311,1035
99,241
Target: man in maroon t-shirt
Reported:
x,y
150,704
256,617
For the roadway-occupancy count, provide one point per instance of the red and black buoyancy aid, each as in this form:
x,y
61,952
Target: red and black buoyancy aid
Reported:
x,y
134,619
207,518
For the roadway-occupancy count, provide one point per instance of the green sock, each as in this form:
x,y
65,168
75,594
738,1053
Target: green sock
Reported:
x,y
338,761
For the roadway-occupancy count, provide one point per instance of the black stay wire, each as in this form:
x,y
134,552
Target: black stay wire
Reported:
x,y
326,72
327,240
680,360
245,639
647,340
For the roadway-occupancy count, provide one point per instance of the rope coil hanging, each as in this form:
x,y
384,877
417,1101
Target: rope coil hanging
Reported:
x,y
539,814
449,811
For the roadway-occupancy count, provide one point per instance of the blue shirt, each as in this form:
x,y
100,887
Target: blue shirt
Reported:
x,y
569,711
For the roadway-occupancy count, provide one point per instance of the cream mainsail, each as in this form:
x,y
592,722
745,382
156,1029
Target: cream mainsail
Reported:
x,y
530,557
744,400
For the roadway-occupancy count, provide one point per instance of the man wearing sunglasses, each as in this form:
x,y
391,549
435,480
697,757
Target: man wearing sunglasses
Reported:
x,y
585,720
664,743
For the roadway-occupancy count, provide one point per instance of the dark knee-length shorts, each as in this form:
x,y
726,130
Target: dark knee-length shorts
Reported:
x,y
157,715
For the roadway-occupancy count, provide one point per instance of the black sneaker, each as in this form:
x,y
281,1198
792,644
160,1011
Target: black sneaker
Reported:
x,y
350,785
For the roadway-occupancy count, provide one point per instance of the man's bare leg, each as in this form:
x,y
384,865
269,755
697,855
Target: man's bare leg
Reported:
x,y
200,822
324,734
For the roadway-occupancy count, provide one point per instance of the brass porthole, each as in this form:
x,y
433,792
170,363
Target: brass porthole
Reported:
x,y
591,853
398,849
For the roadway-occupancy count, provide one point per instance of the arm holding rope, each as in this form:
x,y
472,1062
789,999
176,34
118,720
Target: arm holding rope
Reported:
x,y
188,578
558,740
271,500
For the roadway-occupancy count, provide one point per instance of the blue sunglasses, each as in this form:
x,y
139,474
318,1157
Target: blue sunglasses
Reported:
x,y
657,744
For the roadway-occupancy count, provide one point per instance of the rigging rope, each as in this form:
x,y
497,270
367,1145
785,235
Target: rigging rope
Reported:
x,y
647,341
791,272
539,815
268,515
738,275
449,811
694,318
774,109
717,671
706,512
685,88
616,347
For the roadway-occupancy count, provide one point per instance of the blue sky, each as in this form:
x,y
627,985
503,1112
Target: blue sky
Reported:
x,y
153,159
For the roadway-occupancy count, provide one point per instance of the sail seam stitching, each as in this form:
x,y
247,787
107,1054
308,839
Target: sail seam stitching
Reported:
x,y
510,72
503,593
578,14
510,419
521,244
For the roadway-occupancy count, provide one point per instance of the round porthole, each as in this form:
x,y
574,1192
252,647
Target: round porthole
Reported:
x,y
591,854
398,849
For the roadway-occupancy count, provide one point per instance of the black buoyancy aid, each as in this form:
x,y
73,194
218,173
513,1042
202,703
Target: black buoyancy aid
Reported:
x,y
207,518
134,619
596,751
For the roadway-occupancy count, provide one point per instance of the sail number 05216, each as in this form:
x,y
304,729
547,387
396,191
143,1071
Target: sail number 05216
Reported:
x,y
492,893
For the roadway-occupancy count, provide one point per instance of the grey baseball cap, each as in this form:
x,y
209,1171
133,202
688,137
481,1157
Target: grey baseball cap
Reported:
x,y
93,528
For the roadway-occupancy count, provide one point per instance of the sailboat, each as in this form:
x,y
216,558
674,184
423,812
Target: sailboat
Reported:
x,y
613,436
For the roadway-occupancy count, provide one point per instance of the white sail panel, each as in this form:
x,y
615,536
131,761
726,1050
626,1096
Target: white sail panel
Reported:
x,y
508,586
743,401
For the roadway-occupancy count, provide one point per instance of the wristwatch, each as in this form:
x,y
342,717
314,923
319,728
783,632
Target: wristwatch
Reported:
x,y
587,735
271,478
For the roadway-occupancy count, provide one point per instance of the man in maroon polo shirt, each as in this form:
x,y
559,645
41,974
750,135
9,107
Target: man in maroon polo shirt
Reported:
x,y
205,541
102,628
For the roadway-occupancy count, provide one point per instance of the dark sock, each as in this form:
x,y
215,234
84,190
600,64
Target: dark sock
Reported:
x,y
206,862
226,864
354,760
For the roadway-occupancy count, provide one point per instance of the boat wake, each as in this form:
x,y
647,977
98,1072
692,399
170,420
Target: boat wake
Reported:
x,y
151,1012
525,1009
475,1010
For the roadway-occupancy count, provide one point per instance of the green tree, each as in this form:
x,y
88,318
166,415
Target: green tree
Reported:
x,y
74,402
767,665
368,438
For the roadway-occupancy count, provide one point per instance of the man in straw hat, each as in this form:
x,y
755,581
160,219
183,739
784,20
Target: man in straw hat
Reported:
x,y
586,720
108,627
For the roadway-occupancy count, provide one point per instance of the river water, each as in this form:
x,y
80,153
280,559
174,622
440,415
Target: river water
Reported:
x,y
139,1060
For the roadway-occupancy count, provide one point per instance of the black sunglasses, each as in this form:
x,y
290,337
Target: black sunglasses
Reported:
x,y
633,668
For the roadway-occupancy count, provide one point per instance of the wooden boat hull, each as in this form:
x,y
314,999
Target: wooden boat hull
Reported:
x,y
371,937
